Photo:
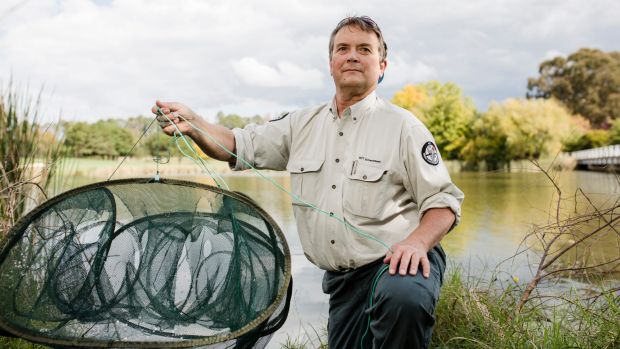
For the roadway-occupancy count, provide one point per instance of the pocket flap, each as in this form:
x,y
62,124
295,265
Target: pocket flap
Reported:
x,y
366,173
304,166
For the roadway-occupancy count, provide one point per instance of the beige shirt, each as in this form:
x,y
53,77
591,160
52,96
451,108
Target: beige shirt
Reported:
x,y
376,167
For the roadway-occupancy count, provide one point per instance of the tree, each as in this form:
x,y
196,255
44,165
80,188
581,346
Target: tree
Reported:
x,y
104,138
518,129
443,109
587,82
237,121
614,132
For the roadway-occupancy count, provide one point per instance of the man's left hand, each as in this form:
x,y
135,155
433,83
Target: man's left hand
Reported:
x,y
406,257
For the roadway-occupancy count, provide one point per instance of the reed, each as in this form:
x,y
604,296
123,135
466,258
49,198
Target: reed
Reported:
x,y
29,154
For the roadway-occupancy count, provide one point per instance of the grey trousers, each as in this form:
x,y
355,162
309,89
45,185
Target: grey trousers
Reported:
x,y
402,311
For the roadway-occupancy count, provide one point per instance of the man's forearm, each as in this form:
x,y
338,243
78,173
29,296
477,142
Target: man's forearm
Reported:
x,y
221,134
433,226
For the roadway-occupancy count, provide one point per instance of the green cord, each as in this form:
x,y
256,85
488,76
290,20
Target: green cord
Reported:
x,y
219,181
372,295
293,196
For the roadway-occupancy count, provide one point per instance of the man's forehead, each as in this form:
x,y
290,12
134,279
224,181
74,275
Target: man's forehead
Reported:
x,y
354,33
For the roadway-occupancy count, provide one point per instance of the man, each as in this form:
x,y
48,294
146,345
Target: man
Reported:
x,y
375,165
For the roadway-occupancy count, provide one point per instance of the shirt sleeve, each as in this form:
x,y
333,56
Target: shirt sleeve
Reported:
x,y
427,178
264,146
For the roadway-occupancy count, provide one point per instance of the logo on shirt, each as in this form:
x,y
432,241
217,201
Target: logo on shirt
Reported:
x,y
430,154
369,160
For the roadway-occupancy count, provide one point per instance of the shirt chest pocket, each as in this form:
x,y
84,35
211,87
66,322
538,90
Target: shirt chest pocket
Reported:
x,y
304,179
365,190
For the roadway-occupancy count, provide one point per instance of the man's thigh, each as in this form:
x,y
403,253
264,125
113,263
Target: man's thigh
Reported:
x,y
402,311
350,305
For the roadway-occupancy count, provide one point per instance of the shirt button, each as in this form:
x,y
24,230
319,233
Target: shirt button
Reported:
x,y
337,160
302,169
331,214
334,186
364,177
340,133
333,242
354,119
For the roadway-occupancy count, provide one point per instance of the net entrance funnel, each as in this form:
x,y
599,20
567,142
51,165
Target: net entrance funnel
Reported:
x,y
145,264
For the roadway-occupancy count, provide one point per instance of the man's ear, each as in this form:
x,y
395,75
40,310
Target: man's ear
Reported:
x,y
383,66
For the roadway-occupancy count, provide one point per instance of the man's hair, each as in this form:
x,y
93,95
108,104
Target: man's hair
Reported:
x,y
364,23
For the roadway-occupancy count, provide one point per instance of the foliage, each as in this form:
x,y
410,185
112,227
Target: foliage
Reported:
x,y
106,138
590,139
518,129
115,137
443,109
26,163
16,343
587,82
487,143
614,132
236,121
472,313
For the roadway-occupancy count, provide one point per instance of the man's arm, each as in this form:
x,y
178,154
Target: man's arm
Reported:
x,y
408,254
189,123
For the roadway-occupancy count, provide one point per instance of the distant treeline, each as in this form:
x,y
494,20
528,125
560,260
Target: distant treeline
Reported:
x,y
115,137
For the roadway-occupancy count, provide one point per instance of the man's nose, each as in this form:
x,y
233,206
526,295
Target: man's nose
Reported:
x,y
352,56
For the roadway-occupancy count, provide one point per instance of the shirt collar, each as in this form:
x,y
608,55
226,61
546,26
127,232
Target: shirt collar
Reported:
x,y
358,110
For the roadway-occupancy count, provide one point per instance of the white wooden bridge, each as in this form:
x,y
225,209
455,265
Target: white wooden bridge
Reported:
x,y
608,156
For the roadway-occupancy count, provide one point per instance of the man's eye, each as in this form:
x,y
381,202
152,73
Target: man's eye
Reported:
x,y
340,49
365,49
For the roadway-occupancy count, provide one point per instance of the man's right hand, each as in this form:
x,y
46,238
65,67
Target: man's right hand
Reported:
x,y
179,114
216,141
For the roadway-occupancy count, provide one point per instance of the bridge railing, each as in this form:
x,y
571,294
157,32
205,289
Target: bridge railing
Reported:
x,y
609,155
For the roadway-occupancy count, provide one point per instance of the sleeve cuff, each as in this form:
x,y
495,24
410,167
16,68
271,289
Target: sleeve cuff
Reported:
x,y
443,200
244,150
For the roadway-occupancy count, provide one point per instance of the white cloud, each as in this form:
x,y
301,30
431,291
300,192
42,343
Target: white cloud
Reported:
x,y
286,74
105,58
402,70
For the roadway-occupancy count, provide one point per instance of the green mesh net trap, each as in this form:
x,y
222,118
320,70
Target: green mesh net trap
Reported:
x,y
145,264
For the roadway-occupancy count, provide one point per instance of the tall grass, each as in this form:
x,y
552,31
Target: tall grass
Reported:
x,y
29,155
472,313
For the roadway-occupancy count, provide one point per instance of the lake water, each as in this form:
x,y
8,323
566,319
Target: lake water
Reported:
x,y
499,209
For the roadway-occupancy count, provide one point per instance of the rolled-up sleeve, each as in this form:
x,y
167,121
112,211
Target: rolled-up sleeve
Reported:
x,y
264,146
428,181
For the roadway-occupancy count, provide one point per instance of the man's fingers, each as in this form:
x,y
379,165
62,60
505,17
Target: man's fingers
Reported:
x,y
426,266
168,107
394,261
404,263
387,258
413,268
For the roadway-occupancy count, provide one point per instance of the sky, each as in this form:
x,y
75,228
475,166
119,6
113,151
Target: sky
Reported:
x,y
95,59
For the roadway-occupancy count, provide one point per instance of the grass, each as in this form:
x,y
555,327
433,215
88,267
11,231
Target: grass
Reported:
x,y
16,343
476,314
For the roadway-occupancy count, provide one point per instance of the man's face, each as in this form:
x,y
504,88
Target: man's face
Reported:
x,y
356,63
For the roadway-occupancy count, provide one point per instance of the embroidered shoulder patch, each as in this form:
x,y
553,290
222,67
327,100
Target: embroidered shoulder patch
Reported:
x,y
430,154
280,117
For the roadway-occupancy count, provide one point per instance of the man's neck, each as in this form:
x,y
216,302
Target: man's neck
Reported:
x,y
345,99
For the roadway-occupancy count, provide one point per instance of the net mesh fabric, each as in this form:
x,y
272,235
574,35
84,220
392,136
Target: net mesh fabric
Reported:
x,y
135,263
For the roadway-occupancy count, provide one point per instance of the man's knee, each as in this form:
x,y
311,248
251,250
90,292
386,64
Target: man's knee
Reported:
x,y
410,295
